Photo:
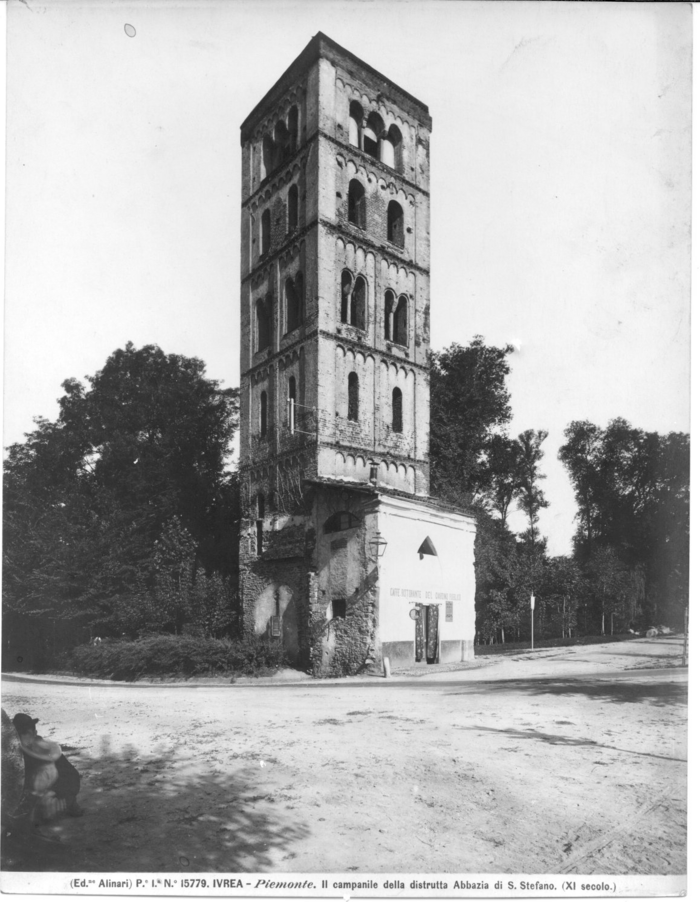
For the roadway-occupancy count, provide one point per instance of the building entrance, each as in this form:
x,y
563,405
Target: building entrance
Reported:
x,y
428,633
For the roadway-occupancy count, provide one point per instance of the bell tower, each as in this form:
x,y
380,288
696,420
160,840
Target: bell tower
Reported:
x,y
335,327
335,275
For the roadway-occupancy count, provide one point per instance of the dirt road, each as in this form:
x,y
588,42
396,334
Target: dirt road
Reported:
x,y
567,760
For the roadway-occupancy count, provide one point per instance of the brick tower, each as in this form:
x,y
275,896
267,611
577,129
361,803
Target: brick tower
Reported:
x,y
335,404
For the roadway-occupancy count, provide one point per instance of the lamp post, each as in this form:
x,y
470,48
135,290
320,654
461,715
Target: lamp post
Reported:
x,y
379,543
532,621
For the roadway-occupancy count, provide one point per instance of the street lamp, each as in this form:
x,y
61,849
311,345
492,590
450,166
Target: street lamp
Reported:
x,y
379,543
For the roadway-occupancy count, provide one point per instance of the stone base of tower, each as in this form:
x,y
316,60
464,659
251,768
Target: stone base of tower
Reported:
x,y
361,575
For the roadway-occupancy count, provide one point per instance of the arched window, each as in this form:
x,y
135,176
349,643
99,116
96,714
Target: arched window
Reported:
x,y
281,143
358,303
268,156
370,141
356,203
397,410
394,223
371,135
294,302
299,287
292,403
392,149
353,397
400,324
263,315
291,305
355,123
260,511
388,313
293,128
292,208
265,232
345,289
263,414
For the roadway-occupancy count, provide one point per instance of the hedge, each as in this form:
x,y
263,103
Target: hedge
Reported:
x,y
169,655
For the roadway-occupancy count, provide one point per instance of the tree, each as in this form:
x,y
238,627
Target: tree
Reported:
x,y
505,477
563,594
86,497
612,588
632,489
579,456
469,404
531,498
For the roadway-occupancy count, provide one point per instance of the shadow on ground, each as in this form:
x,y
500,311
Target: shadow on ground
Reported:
x,y
657,692
556,739
140,816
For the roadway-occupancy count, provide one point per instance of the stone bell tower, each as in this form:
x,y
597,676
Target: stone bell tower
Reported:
x,y
335,289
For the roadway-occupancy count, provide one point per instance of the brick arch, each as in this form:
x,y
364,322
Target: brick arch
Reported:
x,y
264,277
294,252
295,96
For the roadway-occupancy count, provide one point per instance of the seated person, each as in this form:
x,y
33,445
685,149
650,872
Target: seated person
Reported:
x,y
49,778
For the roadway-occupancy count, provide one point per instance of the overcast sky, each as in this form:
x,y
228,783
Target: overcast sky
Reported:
x,y
560,190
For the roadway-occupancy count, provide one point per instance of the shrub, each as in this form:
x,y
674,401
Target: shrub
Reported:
x,y
183,656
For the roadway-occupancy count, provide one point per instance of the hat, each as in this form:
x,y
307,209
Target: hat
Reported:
x,y
24,722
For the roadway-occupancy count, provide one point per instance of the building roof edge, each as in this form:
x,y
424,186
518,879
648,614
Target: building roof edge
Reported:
x,y
321,46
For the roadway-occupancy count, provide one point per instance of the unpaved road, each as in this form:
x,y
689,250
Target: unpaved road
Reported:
x,y
560,761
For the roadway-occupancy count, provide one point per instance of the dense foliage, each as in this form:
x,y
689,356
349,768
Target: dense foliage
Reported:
x,y
633,494
469,403
121,517
629,568
91,499
168,655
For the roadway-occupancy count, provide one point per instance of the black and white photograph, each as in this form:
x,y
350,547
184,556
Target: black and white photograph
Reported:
x,y
346,512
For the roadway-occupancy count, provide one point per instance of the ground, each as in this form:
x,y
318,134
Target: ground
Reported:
x,y
567,760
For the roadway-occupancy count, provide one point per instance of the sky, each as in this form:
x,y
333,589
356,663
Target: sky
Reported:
x,y
560,191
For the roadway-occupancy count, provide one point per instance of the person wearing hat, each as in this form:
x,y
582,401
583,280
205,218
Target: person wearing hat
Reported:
x,y
49,777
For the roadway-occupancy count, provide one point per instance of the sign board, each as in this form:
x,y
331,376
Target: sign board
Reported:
x,y
275,627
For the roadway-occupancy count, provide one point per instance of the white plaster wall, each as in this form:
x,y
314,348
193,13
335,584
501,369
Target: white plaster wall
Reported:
x,y
401,571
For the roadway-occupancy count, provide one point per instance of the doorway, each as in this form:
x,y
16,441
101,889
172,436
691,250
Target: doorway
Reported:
x,y
428,633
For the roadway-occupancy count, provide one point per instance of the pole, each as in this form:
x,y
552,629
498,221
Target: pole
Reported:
x,y
532,622
685,640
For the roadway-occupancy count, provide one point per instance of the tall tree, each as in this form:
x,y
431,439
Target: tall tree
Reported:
x,y
632,489
563,595
469,404
87,497
504,475
580,457
531,498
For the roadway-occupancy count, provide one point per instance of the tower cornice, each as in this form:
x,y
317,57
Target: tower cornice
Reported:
x,y
355,235
323,47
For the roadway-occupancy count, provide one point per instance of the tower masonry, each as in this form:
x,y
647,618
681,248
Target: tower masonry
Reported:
x,y
335,395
